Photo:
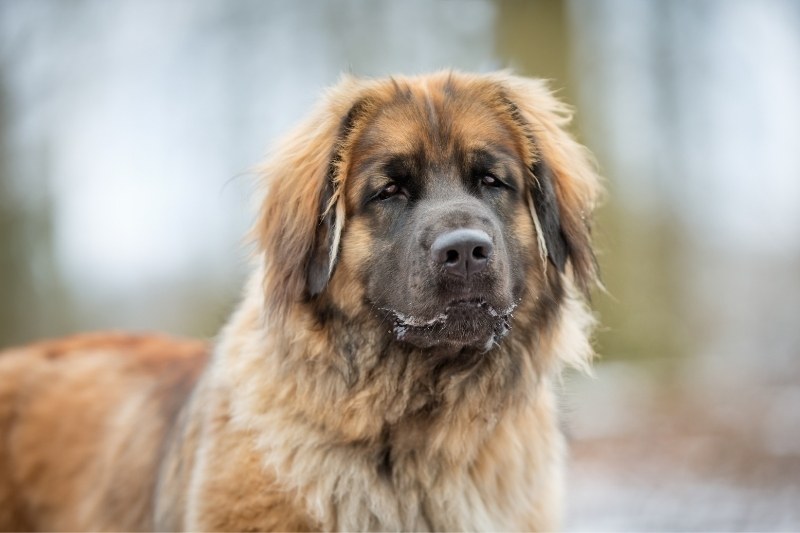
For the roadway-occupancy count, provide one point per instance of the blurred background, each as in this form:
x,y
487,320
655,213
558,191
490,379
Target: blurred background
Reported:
x,y
129,130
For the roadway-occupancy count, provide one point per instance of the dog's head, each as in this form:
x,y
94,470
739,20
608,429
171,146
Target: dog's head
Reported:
x,y
438,203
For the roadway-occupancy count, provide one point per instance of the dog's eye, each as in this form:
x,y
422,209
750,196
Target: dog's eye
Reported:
x,y
491,181
389,191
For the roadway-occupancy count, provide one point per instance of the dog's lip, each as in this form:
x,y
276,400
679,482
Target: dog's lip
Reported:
x,y
478,302
412,320
483,304
462,322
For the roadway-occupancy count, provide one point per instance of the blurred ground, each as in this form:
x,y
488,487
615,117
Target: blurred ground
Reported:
x,y
710,442
672,464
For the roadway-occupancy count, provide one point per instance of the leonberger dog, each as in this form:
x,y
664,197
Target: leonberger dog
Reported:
x,y
421,277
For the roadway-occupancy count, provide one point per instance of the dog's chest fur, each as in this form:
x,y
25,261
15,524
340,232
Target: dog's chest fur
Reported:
x,y
496,481
344,468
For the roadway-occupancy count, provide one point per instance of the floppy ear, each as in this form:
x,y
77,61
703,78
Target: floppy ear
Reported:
x,y
547,216
564,185
322,257
302,215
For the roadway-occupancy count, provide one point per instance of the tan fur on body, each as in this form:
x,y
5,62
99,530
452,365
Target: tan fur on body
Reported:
x,y
299,422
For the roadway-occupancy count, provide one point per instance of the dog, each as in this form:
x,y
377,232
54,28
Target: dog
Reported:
x,y
421,280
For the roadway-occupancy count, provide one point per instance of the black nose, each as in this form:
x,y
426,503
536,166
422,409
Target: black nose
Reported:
x,y
462,252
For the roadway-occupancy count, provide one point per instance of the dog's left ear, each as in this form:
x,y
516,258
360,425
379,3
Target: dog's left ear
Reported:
x,y
302,215
564,185
322,257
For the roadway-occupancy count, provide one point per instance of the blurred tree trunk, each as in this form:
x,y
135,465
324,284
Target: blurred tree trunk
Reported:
x,y
532,36
636,256
15,278
33,299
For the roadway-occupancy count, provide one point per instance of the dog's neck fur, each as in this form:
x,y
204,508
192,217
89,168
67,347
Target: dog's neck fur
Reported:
x,y
386,435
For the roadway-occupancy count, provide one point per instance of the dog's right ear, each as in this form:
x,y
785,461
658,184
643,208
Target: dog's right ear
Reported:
x,y
302,215
564,184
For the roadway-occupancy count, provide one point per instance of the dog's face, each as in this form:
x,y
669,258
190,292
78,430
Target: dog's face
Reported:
x,y
438,203
437,187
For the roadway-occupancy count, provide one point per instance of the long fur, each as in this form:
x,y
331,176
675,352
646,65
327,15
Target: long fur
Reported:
x,y
301,421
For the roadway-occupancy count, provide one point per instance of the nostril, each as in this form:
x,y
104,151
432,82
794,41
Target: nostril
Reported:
x,y
462,252
479,252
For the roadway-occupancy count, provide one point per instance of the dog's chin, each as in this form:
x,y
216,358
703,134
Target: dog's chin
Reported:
x,y
470,324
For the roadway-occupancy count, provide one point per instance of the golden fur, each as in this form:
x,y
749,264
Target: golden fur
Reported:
x,y
277,430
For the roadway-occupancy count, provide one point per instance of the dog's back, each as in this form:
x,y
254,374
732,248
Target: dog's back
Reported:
x,y
82,424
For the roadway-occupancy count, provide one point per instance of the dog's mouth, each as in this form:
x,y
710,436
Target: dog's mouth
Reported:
x,y
462,323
